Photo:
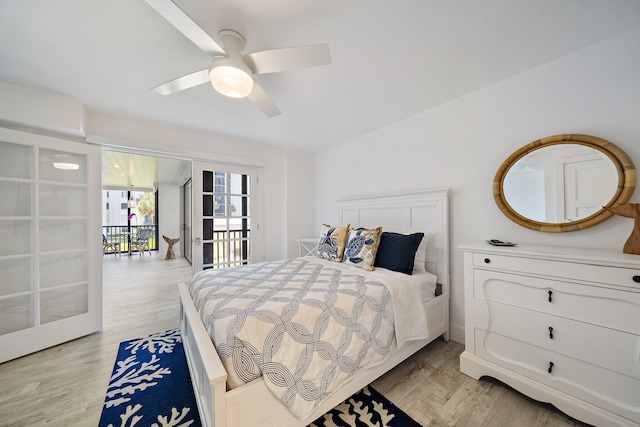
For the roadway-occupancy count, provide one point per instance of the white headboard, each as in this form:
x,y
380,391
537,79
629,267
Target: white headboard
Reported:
x,y
424,211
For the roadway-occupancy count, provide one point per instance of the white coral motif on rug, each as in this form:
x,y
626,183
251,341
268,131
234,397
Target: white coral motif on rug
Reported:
x,y
133,375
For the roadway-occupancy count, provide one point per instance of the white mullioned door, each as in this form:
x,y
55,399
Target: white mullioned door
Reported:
x,y
588,185
50,257
226,216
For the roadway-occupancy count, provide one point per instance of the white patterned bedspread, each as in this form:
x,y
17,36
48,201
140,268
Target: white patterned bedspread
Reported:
x,y
305,324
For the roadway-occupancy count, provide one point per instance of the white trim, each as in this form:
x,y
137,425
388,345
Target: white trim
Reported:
x,y
177,152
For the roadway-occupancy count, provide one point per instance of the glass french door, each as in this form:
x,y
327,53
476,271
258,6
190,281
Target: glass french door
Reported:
x,y
225,216
50,257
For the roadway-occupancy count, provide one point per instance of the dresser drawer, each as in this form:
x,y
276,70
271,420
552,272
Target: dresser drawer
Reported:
x,y
608,348
602,387
615,276
592,304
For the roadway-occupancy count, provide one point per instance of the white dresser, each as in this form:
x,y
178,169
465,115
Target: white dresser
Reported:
x,y
561,325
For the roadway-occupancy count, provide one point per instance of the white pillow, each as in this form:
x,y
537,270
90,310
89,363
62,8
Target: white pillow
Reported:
x,y
420,261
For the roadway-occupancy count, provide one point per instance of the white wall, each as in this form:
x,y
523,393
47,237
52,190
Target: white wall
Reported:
x,y
461,144
300,199
41,111
168,217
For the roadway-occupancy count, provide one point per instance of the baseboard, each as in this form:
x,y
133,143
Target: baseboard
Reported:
x,y
456,333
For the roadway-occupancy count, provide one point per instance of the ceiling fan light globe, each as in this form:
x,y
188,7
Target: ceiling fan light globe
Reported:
x,y
231,81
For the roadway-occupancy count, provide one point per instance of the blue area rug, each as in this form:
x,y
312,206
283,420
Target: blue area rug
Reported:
x,y
366,408
150,387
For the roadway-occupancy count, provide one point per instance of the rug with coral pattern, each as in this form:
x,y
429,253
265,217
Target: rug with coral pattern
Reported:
x,y
366,408
150,387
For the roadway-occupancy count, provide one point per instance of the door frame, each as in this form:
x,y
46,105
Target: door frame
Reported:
x,y
151,149
187,216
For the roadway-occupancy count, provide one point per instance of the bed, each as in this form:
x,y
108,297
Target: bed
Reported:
x,y
252,403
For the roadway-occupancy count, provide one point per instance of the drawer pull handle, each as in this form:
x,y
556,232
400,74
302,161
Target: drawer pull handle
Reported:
x,y
636,279
550,298
550,332
487,261
550,367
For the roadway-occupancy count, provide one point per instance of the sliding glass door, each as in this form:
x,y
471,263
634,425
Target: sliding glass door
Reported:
x,y
50,257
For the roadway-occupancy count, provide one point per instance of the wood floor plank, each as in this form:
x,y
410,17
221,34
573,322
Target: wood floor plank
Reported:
x,y
64,386
431,389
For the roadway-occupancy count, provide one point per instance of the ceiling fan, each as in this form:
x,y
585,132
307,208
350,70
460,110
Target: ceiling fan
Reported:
x,y
231,72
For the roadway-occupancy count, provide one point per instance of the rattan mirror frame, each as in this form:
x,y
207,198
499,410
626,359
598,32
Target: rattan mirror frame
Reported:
x,y
626,182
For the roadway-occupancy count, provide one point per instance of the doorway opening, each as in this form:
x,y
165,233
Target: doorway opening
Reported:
x,y
142,196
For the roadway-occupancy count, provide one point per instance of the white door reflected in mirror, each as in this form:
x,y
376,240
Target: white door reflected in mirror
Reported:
x,y
560,183
563,183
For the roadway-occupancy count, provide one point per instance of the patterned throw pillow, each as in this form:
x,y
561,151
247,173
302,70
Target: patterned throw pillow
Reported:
x,y
362,246
332,242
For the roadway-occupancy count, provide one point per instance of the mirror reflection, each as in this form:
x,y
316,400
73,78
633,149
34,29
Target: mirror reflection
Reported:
x,y
563,182
560,183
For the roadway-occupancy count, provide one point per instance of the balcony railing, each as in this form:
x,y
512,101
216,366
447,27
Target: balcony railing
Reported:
x,y
124,234
225,248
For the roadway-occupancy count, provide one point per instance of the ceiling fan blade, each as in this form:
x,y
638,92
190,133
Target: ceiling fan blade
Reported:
x,y
176,16
182,83
263,101
289,58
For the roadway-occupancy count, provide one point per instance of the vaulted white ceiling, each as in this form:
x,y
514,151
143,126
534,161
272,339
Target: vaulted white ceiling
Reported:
x,y
390,59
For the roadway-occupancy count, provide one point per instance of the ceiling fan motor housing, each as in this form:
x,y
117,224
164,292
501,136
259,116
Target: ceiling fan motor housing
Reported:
x,y
232,42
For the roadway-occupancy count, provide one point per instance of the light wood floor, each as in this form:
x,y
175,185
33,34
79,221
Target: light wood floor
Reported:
x,y
64,386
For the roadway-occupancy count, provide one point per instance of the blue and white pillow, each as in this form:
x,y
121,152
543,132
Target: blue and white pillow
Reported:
x,y
362,246
332,242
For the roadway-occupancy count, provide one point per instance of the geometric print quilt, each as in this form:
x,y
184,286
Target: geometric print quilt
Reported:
x,y
304,325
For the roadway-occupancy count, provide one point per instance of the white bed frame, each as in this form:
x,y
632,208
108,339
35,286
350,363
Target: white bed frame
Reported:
x,y
252,404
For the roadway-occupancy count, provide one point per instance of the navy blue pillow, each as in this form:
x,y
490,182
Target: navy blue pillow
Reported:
x,y
397,251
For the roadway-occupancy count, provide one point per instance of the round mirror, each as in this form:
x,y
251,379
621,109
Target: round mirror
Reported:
x,y
561,183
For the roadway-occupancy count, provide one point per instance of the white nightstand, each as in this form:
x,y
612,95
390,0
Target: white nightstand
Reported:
x,y
307,246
